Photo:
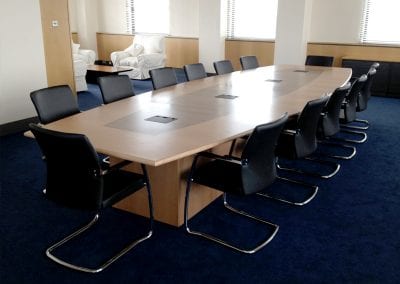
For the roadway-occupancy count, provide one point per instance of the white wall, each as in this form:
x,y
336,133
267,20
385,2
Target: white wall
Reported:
x,y
111,16
336,21
83,17
292,31
22,61
184,15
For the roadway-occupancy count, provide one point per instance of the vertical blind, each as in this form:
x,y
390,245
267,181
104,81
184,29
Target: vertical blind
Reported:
x,y
147,16
254,19
381,22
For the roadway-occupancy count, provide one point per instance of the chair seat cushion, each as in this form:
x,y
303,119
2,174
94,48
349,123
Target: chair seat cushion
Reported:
x,y
220,175
80,67
129,61
135,49
119,184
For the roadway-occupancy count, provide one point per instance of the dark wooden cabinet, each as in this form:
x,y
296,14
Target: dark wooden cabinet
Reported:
x,y
387,79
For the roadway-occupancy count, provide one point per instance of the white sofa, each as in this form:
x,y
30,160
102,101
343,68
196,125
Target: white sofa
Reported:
x,y
80,69
81,58
145,53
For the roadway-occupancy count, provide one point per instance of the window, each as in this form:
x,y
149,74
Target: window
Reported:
x,y
147,16
254,19
381,22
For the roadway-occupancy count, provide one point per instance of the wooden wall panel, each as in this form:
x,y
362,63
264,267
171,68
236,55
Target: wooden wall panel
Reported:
x,y
57,43
264,50
366,52
179,51
107,43
75,37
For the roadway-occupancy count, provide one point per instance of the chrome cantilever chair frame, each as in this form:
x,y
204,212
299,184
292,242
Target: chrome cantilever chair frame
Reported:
x,y
313,187
85,185
349,110
329,123
89,225
253,172
311,113
365,95
227,206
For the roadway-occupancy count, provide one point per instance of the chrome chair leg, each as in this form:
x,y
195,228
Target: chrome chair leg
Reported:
x,y
334,165
222,242
360,121
338,145
311,197
232,148
90,224
358,133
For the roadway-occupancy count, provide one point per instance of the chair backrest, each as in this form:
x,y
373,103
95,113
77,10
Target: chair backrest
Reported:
x,y
73,169
249,62
329,122
307,125
163,77
194,71
352,98
223,67
374,65
115,87
54,103
318,60
258,156
149,43
365,92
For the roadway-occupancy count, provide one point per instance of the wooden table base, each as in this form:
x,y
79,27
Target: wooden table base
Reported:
x,y
168,184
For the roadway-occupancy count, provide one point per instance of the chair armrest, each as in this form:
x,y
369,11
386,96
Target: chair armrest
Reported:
x,y
213,156
289,131
151,59
117,56
90,55
115,167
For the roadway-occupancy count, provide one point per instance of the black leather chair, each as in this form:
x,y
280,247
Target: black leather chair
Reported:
x,y
318,60
84,185
250,174
223,67
348,112
329,121
163,77
298,140
115,87
249,62
54,103
194,71
363,98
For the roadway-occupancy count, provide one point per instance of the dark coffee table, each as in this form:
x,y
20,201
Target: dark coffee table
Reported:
x,y
95,71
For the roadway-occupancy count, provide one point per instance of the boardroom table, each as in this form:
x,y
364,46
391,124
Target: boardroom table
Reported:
x,y
165,128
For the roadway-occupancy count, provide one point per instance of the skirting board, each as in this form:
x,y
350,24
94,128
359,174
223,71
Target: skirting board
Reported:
x,y
17,126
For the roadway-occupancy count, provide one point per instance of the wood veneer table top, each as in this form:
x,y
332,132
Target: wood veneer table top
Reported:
x,y
207,112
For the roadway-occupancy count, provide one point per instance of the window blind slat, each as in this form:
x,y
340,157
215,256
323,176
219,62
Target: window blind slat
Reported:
x,y
252,19
147,16
380,23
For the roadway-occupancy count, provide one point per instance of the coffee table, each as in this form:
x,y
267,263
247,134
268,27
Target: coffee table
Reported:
x,y
95,71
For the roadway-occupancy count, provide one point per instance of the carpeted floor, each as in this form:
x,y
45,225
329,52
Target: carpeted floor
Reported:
x,y
348,234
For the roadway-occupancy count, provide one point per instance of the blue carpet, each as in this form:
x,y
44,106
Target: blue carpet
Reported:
x,y
348,234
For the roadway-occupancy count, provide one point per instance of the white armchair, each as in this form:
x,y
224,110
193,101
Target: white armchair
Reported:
x,y
87,55
81,58
145,53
